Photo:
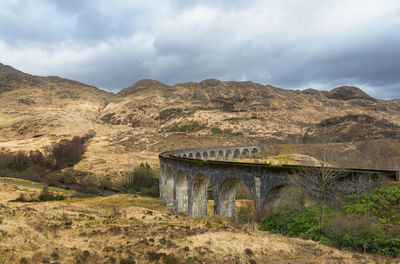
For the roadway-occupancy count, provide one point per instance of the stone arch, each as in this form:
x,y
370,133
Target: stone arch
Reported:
x,y
282,194
205,155
245,153
220,155
184,156
212,155
254,151
190,156
169,187
228,155
199,200
181,192
198,155
236,154
227,197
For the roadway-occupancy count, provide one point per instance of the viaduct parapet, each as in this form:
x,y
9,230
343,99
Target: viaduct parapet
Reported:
x,y
186,174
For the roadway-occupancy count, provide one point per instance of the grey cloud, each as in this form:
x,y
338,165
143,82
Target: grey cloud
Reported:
x,y
289,44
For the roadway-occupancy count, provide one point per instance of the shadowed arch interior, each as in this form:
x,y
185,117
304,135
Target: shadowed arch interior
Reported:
x,y
190,155
169,187
246,153
198,155
212,155
227,197
286,196
199,196
220,155
228,155
254,151
184,155
181,192
205,155
236,154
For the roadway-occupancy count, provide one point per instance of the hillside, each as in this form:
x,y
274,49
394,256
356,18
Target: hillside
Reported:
x,y
148,117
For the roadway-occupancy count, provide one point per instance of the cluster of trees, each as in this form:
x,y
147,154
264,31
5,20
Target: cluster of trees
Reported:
x,y
143,180
37,165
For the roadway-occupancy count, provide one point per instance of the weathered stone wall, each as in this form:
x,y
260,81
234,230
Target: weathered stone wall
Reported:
x,y
184,178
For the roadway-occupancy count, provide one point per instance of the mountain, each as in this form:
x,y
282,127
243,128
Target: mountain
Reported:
x,y
148,117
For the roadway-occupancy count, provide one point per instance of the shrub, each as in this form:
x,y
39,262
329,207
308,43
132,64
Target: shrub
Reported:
x,y
369,222
68,152
354,232
306,222
242,213
383,203
50,197
89,184
142,180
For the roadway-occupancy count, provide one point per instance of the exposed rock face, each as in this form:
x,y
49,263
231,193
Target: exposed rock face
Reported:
x,y
365,119
348,93
355,128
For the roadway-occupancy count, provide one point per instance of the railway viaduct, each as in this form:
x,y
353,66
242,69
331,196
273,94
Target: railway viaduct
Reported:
x,y
185,176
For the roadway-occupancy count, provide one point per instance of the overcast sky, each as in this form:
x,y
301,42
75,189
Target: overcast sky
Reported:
x,y
293,44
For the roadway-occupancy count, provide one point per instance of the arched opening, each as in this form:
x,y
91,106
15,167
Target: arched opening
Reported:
x,y
236,154
254,151
231,190
246,153
169,188
190,155
181,192
220,155
199,199
198,155
212,155
185,156
205,155
228,155
285,196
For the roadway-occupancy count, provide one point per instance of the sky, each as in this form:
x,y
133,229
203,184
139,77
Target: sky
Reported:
x,y
292,44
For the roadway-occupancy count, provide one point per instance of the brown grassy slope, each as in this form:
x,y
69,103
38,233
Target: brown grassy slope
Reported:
x,y
261,110
32,105
131,125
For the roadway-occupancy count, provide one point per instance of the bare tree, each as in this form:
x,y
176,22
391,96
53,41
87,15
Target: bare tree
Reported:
x,y
319,181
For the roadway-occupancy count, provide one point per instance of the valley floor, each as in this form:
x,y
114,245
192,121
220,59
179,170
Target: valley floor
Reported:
x,y
126,228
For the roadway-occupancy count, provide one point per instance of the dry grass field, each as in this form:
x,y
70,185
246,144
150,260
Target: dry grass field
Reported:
x,y
126,228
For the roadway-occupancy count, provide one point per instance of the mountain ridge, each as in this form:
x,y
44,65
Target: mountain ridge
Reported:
x,y
149,116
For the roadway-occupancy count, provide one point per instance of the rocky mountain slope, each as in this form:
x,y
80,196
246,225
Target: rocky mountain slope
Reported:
x,y
148,117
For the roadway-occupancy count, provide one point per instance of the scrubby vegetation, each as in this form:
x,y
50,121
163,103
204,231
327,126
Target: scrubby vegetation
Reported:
x,y
193,126
225,132
143,180
368,222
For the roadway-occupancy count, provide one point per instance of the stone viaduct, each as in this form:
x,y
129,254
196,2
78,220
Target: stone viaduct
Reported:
x,y
185,176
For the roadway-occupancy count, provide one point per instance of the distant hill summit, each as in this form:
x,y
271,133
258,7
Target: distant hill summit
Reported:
x,y
6,70
141,85
348,93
